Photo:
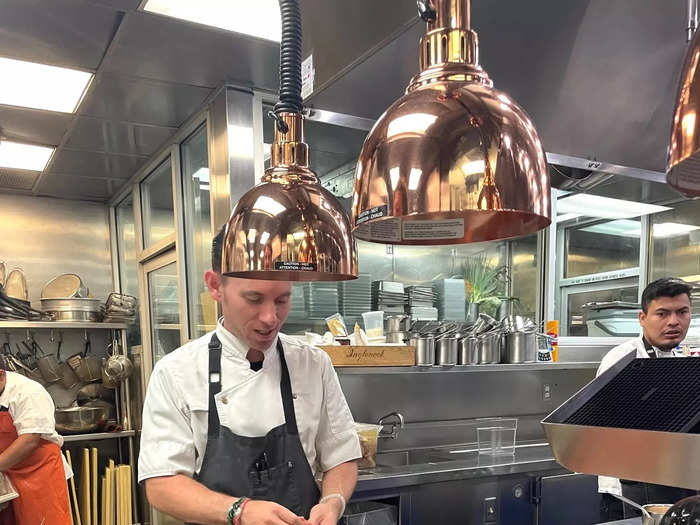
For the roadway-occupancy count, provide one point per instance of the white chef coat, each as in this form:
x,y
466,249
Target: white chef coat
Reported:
x,y
31,407
174,434
605,483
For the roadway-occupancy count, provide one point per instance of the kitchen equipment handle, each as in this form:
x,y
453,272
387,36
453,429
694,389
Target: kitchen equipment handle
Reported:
x,y
633,504
88,345
603,328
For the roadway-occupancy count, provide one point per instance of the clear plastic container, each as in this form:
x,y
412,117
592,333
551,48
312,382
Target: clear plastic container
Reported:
x,y
496,436
368,435
374,324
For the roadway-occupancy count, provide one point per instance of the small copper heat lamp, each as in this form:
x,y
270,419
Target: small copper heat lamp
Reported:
x,y
683,168
288,227
452,161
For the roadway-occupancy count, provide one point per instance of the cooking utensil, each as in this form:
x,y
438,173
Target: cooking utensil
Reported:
x,y
519,347
62,397
425,349
63,286
489,348
447,350
468,351
69,379
94,391
72,309
396,323
16,285
73,493
79,420
48,365
397,337
509,306
116,367
87,367
517,323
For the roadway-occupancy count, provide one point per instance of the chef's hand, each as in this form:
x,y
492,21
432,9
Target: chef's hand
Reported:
x,y
258,512
327,513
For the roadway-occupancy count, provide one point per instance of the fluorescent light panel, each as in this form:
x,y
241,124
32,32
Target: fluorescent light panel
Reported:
x,y
259,18
628,228
39,86
24,156
605,207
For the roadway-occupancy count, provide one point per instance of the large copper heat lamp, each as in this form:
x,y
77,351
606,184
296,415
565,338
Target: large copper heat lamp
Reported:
x,y
288,227
454,160
683,168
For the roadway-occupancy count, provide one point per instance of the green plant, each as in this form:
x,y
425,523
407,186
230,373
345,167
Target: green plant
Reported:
x,y
483,281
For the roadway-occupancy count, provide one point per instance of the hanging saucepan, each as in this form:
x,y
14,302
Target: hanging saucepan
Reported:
x,y
115,368
87,367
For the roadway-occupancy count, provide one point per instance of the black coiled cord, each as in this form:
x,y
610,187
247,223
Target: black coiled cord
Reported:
x,y
290,61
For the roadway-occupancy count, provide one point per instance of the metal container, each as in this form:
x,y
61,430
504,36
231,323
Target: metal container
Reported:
x,y
472,312
88,368
398,337
656,513
66,285
425,349
468,351
396,323
489,348
72,309
77,420
49,368
447,350
519,347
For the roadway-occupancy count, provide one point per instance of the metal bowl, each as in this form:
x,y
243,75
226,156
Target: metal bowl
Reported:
x,y
78,420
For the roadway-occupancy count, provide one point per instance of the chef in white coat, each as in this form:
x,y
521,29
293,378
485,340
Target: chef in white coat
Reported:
x,y
238,423
664,319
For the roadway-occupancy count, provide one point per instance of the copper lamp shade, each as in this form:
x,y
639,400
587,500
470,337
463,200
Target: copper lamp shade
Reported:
x,y
288,227
683,169
454,160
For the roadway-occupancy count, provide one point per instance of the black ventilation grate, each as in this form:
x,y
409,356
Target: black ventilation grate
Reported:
x,y
648,394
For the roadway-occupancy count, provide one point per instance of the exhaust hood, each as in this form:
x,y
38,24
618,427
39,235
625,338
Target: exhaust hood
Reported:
x,y
639,420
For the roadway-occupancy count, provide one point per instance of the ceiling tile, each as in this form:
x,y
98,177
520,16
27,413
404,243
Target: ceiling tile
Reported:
x,y
13,179
154,46
116,137
94,164
73,187
58,32
143,101
32,125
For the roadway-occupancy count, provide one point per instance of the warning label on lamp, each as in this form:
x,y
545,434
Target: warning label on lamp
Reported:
x,y
372,213
295,266
388,230
307,76
433,230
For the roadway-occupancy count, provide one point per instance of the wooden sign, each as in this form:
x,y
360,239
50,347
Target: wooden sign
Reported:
x,y
371,355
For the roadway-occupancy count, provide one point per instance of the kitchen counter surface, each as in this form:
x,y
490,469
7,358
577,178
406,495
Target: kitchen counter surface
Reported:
x,y
467,463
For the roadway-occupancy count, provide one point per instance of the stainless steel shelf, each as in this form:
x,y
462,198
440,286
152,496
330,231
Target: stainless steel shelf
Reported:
x,y
354,370
98,435
82,325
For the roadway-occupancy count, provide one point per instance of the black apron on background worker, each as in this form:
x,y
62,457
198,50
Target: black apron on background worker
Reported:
x,y
273,467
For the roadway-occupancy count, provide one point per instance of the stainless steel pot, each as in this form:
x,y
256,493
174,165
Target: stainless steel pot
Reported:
x,y
519,347
489,348
447,350
77,420
468,351
72,309
396,323
425,349
397,337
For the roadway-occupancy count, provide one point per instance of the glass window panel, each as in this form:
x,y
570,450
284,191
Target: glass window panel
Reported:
x,y
524,275
128,267
602,246
616,326
157,205
676,242
195,175
164,310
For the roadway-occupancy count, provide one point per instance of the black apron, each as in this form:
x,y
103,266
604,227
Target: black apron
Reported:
x,y
271,467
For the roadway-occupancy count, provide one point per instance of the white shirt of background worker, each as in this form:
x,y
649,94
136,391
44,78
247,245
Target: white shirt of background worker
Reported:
x,y
174,436
664,318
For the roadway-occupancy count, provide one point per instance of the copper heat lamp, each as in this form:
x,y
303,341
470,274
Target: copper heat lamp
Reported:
x,y
288,227
453,160
683,168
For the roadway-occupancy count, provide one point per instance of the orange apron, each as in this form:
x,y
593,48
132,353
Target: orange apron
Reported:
x,y
40,482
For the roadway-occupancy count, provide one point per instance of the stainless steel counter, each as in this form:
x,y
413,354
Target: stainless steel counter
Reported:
x,y
411,468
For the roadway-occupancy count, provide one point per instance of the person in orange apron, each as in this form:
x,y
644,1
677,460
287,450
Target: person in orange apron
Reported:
x,y
30,454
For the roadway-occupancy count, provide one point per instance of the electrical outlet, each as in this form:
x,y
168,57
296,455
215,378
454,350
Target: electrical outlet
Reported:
x,y
490,510
546,391
389,249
